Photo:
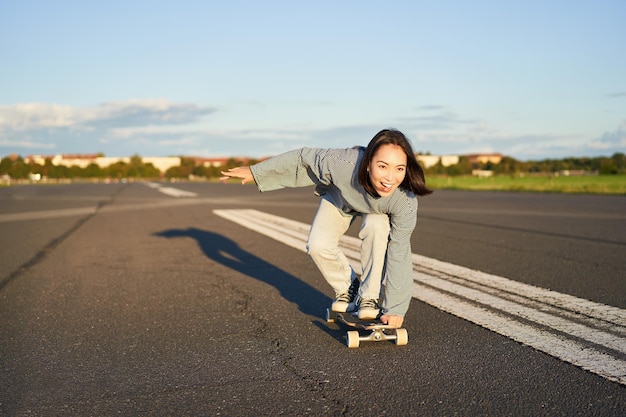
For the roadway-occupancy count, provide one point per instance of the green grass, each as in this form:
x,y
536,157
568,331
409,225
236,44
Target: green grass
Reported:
x,y
592,184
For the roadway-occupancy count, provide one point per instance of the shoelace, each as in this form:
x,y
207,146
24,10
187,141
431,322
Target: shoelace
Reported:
x,y
344,297
368,304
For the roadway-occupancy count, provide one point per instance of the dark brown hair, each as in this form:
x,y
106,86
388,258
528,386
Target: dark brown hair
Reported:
x,y
413,180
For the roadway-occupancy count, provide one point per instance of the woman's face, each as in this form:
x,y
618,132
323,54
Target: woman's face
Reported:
x,y
387,169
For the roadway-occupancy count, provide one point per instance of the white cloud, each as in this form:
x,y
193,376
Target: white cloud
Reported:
x,y
36,116
434,117
614,141
151,130
268,134
26,116
123,127
25,144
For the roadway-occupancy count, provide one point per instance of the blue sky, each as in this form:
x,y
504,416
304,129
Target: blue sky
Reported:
x,y
531,79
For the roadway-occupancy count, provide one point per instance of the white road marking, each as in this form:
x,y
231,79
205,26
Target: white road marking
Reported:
x,y
171,191
582,332
175,192
47,214
83,211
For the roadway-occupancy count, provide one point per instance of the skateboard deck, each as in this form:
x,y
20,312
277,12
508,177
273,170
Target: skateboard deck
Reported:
x,y
378,331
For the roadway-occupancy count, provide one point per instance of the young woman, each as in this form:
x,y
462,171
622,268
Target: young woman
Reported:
x,y
379,183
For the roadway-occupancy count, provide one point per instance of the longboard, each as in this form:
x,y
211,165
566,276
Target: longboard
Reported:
x,y
378,331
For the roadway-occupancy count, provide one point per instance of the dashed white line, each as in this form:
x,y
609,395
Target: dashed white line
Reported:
x,y
171,191
48,214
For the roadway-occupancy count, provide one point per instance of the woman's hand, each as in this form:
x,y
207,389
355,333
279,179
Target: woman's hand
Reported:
x,y
394,321
239,172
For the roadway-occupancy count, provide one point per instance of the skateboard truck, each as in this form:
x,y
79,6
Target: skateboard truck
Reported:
x,y
378,331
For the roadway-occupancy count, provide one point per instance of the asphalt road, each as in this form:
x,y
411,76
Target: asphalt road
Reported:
x,y
119,299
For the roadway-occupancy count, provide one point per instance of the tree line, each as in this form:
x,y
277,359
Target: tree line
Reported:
x,y
18,168
615,164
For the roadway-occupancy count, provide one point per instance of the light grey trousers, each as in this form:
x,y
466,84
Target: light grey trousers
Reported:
x,y
328,226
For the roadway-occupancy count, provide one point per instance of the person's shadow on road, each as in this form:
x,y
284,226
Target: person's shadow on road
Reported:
x,y
223,250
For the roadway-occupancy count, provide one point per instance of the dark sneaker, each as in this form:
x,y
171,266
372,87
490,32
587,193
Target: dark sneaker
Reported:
x,y
345,301
368,309
341,303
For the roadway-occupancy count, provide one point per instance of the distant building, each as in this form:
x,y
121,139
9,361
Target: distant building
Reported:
x,y
162,163
218,162
83,161
106,161
209,162
428,161
482,173
68,160
483,158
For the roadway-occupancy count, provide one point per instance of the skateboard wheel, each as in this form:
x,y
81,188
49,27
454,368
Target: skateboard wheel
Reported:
x,y
330,316
402,337
353,339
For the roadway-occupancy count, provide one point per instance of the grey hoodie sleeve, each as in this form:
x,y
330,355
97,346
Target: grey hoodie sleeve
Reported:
x,y
298,168
399,271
